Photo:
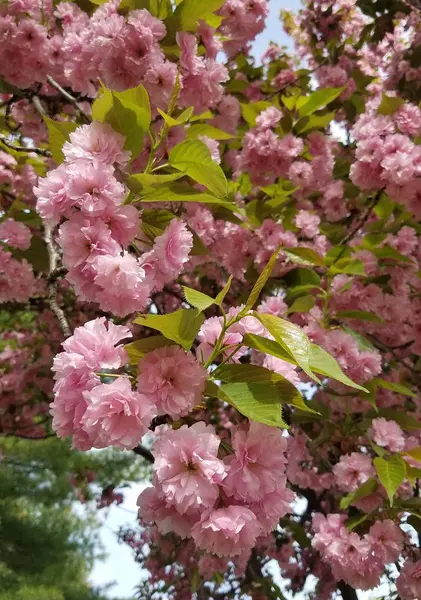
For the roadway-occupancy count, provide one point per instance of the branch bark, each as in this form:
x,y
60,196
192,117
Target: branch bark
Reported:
x,y
144,453
69,98
52,285
39,151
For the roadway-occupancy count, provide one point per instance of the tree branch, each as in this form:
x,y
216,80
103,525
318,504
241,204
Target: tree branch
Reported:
x,y
52,285
5,142
69,97
348,593
145,453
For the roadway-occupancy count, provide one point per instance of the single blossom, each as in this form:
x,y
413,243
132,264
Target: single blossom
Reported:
x,y
173,380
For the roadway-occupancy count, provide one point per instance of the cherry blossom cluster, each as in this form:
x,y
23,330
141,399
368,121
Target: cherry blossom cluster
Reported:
x,y
224,504
99,227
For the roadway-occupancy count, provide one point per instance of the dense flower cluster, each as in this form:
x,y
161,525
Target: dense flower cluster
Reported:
x,y
226,504
99,227
265,220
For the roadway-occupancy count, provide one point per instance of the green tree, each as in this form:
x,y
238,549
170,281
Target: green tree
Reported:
x,y
46,548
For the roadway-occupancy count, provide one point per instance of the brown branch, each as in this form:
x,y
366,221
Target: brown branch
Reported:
x,y
39,151
69,98
351,234
347,592
145,453
38,106
52,285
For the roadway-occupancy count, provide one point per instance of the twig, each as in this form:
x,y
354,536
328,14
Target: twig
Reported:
x,y
350,235
38,106
40,151
52,285
294,81
68,97
145,453
56,274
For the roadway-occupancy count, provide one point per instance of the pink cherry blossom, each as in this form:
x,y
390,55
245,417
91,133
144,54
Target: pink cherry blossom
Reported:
x,y
172,379
226,531
115,415
187,468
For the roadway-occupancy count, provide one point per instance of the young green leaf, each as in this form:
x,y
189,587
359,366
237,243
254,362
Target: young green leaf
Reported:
x,y
197,299
304,256
267,346
367,488
128,112
189,12
261,282
389,104
181,326
194,159
399,388
137,350
349,266
324,364
195,131
291,337
361,315
319,99
179,192
221,296
302,304
58,134
143,181
259,402
391,473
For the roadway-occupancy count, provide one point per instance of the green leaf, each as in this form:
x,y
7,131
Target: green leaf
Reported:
x,y
259,402
179,192
251,111
197,299
181,326
58,134
361,315
387,252
367,488
291,337
319,99
190,12
194,159
267,346
261,282
314,122
137,350
324,364
221,296
391,473
180,120
399,388
140,181
304,256
302,304
195,131
389,104
349,266
414,453
128,113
